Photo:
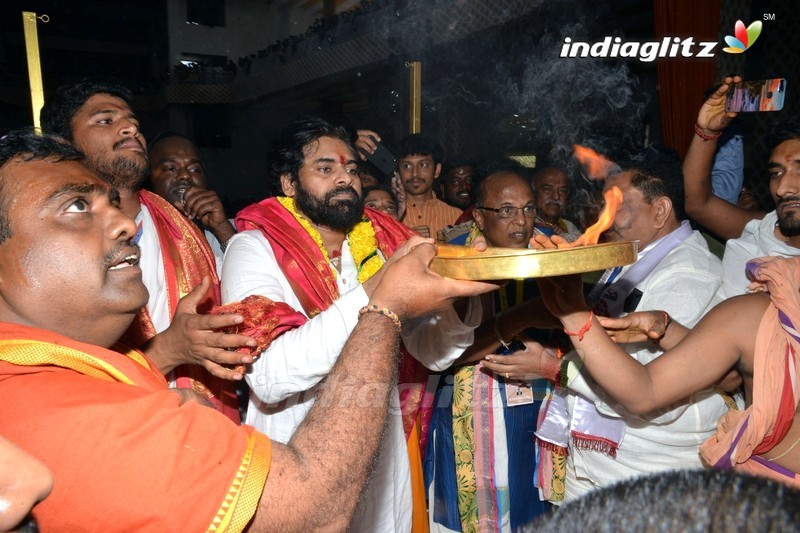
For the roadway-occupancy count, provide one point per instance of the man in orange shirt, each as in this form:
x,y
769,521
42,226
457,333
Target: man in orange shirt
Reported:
x,y
126,452
419,164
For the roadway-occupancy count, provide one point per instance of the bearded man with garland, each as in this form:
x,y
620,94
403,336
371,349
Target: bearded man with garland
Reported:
x,y
318,250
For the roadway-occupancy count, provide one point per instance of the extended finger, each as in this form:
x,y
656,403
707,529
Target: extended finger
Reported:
x,y
230,341
223,372
497,368
188,304
542,242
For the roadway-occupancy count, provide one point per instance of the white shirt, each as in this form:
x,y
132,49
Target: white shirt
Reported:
x,y
757,240
284,378
152,264
682,284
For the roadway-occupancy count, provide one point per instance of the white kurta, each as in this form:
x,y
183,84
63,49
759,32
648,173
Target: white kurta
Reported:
x,y
682,284
757,240
283,380
152,264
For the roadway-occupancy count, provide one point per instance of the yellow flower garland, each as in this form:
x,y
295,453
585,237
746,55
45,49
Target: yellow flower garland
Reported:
x,y
361,238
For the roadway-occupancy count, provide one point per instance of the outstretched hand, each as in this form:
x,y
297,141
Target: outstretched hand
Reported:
x,y
562,295
712,117
410,289
635,327
533,362
366,142
191,339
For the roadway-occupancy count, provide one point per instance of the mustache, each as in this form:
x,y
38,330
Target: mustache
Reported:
x,y
340,190
113,254
119,143
787,199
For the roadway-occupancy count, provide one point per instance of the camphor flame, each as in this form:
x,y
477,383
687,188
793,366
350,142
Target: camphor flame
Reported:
x,y
613,198
598,167
595,165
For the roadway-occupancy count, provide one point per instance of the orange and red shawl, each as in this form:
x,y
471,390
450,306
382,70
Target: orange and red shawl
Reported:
x,y
315,285
187,260
743,435
263,320
125,454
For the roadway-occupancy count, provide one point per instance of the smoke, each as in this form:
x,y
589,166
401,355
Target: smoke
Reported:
x,y
584,101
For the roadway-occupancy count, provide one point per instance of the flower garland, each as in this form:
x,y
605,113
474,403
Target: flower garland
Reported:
x,y
361,238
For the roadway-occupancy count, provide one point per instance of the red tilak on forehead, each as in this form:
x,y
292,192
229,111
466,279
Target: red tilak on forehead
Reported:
x,y
342,160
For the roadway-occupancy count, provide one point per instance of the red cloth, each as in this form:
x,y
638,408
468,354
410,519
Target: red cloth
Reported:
x,y
187,260
125,455
315,286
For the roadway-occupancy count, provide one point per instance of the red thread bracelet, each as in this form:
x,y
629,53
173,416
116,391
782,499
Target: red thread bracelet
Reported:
x,y
705,137
667,322
586,327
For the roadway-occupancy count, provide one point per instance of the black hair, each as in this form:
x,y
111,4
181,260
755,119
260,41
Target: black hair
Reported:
x,y
365,167
60,107
784,130
658,172
165,135
456,162
419,144
28,146
289,150
379,187
681,500
493,166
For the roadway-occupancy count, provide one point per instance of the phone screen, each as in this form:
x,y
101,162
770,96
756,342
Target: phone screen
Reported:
x,y
758,95
382,158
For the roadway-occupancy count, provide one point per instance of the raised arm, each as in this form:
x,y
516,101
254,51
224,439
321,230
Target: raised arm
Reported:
x,y
707,353
315,480
725,219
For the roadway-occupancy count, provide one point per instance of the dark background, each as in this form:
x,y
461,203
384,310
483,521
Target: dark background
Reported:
x,y
492,79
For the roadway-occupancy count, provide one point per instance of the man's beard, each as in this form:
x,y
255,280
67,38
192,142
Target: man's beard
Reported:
x,y
340,215
120,172
788,224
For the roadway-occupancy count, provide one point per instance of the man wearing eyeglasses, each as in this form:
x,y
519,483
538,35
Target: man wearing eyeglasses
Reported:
x,y
480,415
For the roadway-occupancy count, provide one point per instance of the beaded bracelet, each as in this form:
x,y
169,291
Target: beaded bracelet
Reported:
x,y
586,327
705,137
385,311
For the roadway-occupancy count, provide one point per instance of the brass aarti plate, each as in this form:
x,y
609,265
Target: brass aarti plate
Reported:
x,y
464,262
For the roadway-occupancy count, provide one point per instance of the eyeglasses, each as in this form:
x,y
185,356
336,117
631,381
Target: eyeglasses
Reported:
x,y
529,211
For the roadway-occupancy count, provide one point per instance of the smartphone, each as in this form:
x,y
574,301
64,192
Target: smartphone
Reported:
x,y
514,346
381,158
758,95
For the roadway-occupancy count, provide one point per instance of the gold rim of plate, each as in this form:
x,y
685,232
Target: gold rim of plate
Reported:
x,y
464,262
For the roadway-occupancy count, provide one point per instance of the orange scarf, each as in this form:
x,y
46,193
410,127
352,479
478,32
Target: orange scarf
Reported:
x,y
187,260
742,435
315,286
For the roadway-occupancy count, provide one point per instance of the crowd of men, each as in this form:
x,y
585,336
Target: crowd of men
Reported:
x,y
367,392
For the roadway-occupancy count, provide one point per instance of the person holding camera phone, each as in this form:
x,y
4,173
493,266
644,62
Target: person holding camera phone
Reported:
x,y
750,233
419,165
